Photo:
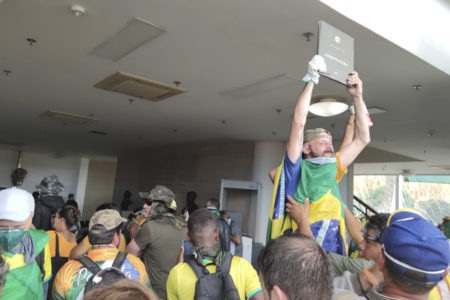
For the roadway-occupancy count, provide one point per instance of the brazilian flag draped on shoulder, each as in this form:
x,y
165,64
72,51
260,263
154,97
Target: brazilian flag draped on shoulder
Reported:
x,y
318,180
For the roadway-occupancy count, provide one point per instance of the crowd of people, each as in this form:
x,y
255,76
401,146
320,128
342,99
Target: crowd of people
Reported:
x,y
159,254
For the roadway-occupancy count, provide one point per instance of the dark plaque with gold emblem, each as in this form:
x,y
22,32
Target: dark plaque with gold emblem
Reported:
x,y
337,48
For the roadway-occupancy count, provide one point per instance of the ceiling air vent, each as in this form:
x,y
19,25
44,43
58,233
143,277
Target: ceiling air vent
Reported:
x,y
98,132
139,87
67,118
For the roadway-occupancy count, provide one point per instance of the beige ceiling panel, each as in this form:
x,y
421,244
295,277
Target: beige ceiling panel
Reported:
x,y
139,87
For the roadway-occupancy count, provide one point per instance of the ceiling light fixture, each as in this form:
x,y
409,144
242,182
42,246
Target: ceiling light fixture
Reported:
x,y
31,41
327,106
77,10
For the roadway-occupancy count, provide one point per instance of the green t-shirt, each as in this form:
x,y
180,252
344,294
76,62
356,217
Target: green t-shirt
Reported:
x,y
160,243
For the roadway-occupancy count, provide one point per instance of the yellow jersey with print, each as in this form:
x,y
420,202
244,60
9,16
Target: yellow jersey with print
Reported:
x,y
181,282
122,243
72,277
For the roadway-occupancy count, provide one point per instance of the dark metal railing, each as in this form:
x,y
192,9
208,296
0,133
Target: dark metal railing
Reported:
x,y
365,207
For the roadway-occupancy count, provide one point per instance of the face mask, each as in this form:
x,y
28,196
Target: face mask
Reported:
x,y
229,222
322,160
9,238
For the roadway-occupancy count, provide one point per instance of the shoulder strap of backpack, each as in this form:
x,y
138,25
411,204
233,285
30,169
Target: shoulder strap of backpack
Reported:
x,y
199,270
226,264
89,264
118,261
57,245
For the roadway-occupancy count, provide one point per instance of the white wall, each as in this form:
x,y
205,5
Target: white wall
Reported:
x,y
99,186
39,165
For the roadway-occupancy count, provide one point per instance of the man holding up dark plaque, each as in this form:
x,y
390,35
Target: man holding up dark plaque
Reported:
x,y
311,170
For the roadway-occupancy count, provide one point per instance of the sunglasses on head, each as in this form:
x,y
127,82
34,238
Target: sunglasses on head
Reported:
x,y
376,237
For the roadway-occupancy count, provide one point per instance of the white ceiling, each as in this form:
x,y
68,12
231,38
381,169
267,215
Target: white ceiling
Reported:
x,y
211,47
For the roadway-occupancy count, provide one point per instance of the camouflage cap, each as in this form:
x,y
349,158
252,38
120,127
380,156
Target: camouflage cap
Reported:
x,y
110,218
315,133
163,194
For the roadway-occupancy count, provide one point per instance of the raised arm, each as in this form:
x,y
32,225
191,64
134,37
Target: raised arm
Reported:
x,y
349,132
295,142
362,134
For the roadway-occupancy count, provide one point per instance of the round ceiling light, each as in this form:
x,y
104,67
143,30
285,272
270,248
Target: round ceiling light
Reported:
x,y
327,107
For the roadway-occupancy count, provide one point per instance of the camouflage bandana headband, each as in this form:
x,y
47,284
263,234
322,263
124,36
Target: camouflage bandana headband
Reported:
x,y
312,134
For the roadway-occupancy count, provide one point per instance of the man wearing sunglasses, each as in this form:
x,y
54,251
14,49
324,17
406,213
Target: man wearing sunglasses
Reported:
x,y
412,256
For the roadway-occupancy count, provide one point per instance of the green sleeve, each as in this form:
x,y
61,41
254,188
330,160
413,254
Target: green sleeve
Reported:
x,y
143,237
341,264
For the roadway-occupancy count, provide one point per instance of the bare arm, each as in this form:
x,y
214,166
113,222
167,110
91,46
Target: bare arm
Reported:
x,y
180,257
236,239
133,248
78,251
273,174
354,226
349,132
299,213
362,133
295,143
133,229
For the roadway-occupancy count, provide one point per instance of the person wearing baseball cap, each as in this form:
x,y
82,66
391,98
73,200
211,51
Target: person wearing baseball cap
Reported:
x,y
413,260
312,169
25,250
104,235
159,239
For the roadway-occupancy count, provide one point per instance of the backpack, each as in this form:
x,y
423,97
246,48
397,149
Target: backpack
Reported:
x,y
214,286
103,277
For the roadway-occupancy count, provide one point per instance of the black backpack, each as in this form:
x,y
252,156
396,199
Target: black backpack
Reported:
x,y
214,286
103,277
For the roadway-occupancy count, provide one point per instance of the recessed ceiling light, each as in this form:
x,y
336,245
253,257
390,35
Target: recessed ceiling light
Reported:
x,y
136,33
263,86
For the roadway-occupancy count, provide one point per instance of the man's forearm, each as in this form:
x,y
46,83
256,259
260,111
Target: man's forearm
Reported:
x,y
362,132
295,143
354,226
236,239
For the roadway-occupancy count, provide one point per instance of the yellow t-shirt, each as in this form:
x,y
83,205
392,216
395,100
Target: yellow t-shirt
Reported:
x,y
122,243
182,279
441,291
64,246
